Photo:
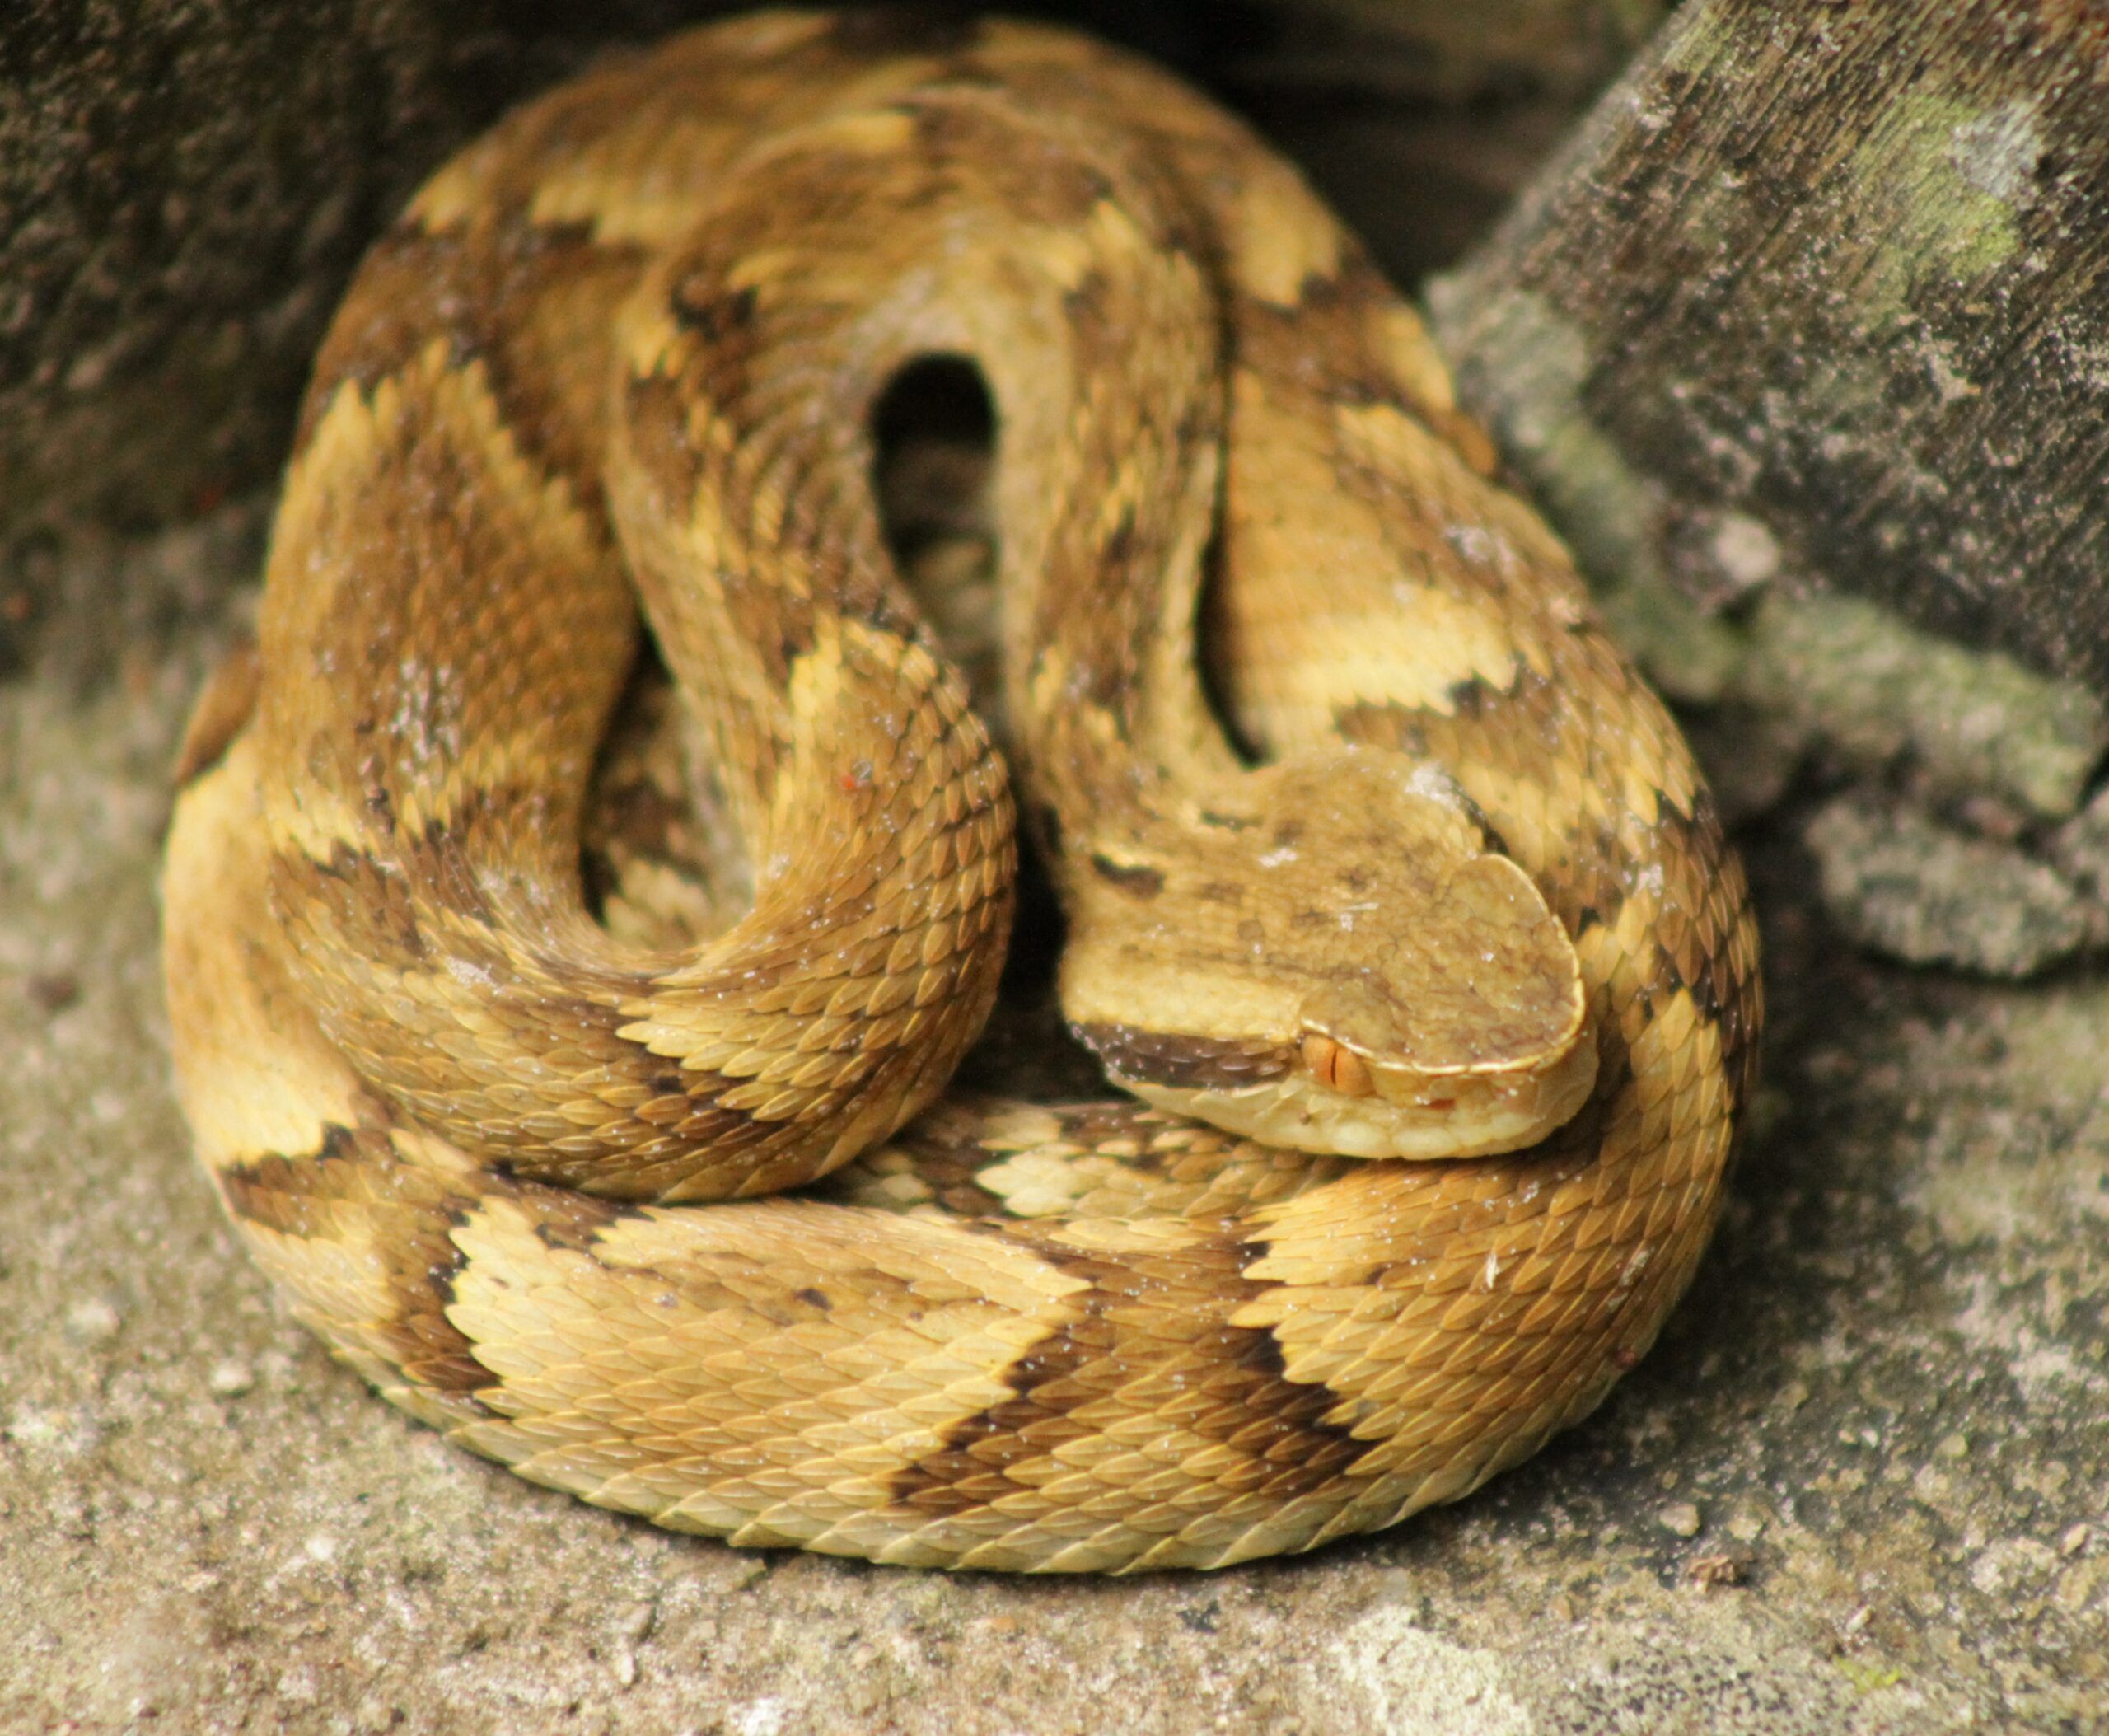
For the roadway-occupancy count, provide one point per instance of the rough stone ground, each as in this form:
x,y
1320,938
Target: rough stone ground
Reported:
x,y
1860,1486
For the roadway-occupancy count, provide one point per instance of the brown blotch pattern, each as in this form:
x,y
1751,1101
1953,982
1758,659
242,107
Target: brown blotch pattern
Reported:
x,y
1133,1342
355,1186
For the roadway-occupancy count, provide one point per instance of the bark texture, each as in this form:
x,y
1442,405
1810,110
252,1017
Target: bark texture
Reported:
x,y
1822,293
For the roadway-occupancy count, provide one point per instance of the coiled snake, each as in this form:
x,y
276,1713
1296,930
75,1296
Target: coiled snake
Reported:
x,y
1448,886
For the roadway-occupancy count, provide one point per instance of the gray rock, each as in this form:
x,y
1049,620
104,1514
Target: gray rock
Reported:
x,y
1883,693
1898,880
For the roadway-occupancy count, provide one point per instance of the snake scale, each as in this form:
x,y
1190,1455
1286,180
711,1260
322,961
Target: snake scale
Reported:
x,y
1414,868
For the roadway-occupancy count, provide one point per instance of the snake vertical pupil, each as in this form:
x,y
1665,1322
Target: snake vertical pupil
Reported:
x,y
1336,1066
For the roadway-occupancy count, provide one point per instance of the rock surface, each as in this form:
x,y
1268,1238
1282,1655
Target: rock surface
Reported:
x,y
1896,879
1859,1487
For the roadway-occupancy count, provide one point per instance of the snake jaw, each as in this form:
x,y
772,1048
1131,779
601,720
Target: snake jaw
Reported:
x,y
1403,1113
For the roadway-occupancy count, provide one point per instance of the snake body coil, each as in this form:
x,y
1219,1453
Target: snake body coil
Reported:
x,y
1458,893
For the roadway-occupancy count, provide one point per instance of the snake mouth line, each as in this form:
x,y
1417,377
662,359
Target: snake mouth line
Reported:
x,y
1421,1116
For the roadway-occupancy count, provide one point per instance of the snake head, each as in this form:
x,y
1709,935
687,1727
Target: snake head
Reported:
x,y
1347,965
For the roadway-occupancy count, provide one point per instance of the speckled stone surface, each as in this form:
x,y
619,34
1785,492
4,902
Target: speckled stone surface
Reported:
x,y
1862,1485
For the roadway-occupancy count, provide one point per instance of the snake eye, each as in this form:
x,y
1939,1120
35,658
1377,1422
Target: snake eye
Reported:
x,y
1336,1066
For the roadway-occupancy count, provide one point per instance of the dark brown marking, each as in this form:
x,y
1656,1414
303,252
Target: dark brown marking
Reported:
x,y
1321,342
717,316
564,1220
353,1182
1182,1063
1121,1330
657,407
364,899
881,32
1047,182
411,289
380,804
947,1156
968,1470
1138,880
1084,305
